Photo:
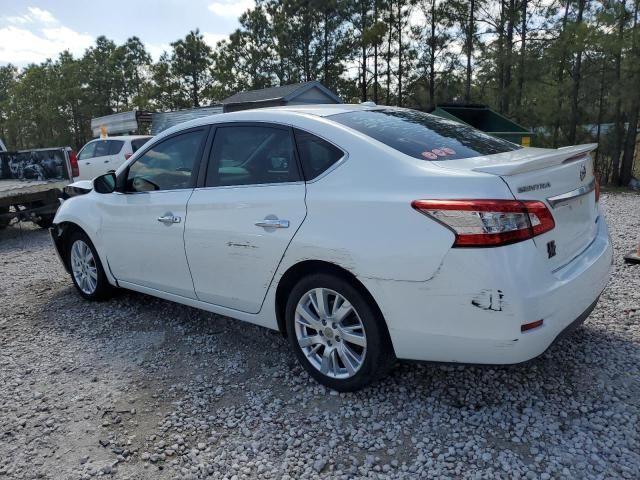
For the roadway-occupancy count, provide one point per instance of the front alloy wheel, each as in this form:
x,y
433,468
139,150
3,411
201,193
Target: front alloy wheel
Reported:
x,y
337,332
86,270
83,267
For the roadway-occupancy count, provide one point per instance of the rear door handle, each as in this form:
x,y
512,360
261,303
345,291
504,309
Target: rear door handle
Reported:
x,y
169,218
272,223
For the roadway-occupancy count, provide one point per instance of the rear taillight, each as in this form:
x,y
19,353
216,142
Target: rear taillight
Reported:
x,y
489,223
597,189
73,161
127,156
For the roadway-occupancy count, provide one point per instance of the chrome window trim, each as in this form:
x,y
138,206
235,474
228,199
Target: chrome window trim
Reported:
x,y
573,194
155,191
279,184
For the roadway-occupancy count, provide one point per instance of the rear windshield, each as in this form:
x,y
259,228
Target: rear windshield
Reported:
x,y
423,136
137,143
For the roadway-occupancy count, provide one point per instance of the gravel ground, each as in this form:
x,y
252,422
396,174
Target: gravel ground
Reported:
x,y
138,387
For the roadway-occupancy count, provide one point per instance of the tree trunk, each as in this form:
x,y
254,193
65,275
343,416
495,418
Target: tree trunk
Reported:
x,y
523,51
506,91
626,170
325,66
389,40
560,97
432,57
194,90
618,118
399,101
600,116
375,54
577,76
467,89
500,56
363,20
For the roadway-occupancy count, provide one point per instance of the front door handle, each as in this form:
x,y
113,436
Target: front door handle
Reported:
x,y
169,218
272,223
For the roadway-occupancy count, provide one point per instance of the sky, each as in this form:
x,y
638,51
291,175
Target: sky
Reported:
x,y
32,31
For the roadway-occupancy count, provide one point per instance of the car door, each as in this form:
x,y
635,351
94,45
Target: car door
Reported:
x,y
85,161
143,224
115,157
243,218
95,166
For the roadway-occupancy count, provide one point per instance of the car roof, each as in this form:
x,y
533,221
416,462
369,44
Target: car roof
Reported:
x,y
123,137
271,114
324,110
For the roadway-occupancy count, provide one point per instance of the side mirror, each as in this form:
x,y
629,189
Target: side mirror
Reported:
x,y
105,183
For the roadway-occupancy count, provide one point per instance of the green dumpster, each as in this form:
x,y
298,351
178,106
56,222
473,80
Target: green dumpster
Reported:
x,y
485,119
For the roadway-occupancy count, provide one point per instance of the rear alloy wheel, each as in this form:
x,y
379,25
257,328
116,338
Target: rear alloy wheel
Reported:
x,y
336,335
86,270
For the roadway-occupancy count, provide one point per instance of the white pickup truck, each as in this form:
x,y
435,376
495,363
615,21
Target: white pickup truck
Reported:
x,y
31,181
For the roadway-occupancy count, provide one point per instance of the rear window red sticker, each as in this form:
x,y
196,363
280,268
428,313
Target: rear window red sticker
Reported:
x,y
448,151
429,155
439,152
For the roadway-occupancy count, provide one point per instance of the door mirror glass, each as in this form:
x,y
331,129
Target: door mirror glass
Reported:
x,y
105,183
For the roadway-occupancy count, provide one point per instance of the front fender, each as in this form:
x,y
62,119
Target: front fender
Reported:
x,y
82,212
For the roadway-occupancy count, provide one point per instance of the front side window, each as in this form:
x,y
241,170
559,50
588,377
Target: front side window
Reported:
x,y
87,151
248,155
167,165
423,136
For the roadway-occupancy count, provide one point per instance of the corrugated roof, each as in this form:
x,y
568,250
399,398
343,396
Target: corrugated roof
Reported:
x,y
263,94
284,92
162,120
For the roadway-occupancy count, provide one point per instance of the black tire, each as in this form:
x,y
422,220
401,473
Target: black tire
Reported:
x,y
378,356
4,222
46,221
103,289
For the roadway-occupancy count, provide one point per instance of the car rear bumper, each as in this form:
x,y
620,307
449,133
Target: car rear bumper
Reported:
x,y
474,315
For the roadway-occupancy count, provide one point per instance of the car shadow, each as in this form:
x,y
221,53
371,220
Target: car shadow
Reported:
x,y
575,365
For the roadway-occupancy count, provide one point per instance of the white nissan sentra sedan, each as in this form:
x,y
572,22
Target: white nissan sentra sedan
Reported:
x,y
362,233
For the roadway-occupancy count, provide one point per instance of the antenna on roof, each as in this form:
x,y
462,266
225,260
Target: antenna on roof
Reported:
x,y
368,104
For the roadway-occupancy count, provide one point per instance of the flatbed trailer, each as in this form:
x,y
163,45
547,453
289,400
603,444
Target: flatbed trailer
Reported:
x,y
31,182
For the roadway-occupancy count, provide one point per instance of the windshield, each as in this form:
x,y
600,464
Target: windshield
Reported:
x,y
423,136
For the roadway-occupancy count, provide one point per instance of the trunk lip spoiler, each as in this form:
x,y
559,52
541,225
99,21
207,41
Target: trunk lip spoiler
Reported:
x,y
537,160
573,194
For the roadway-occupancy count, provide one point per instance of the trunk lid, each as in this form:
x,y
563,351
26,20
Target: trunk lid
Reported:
x,y
563,179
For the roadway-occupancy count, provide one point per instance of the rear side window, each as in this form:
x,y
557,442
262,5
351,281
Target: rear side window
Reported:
x,y
137,143
115,146
316,154
423,136
251,155
102,148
